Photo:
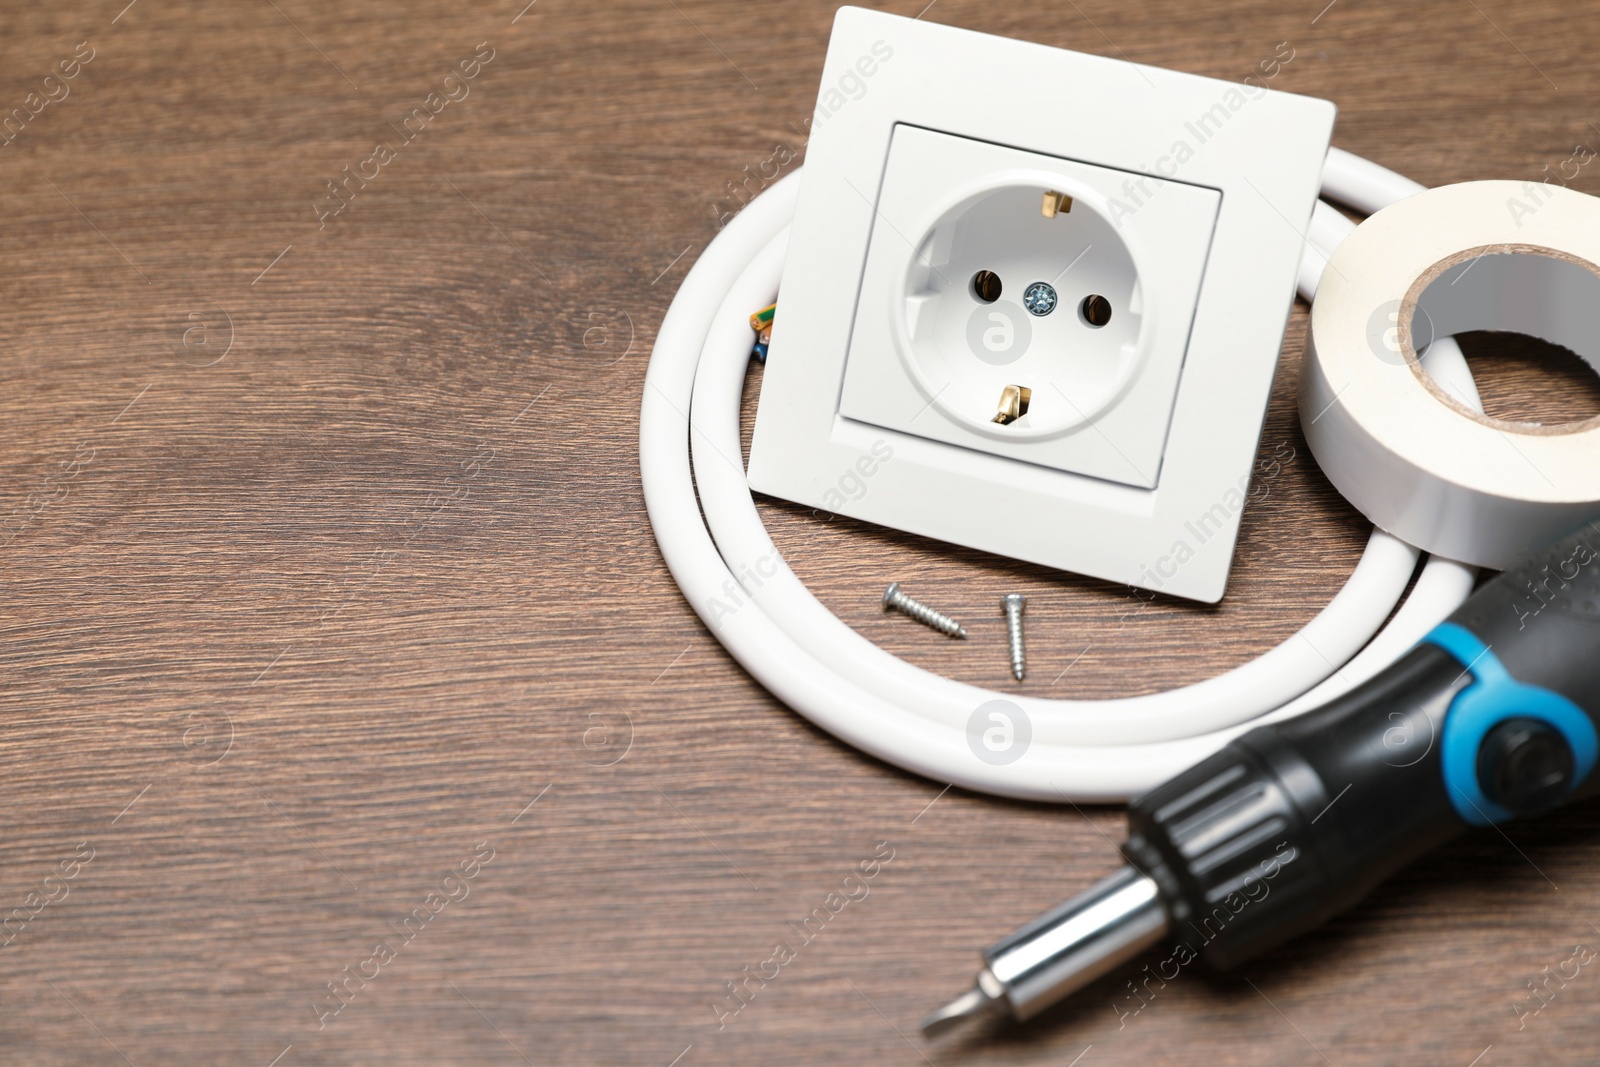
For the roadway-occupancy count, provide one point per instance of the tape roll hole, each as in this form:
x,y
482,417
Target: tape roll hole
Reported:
x,y
1524,379
1534,313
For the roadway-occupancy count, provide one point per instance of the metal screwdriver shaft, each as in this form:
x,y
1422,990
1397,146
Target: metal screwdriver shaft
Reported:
x,y
894,597
1012,605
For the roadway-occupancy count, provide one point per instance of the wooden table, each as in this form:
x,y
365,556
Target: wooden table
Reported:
x,y
349,713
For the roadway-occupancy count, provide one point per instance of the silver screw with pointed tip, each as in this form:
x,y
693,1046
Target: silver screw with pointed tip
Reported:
x,y
896,598
1012,605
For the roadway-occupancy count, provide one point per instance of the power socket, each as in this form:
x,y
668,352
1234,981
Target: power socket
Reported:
x,y
971,289
1042,293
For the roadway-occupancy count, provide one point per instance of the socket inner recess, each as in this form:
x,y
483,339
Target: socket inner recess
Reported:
x,y
965,345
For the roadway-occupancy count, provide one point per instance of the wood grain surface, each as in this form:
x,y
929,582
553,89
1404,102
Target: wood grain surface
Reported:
x,y
348,714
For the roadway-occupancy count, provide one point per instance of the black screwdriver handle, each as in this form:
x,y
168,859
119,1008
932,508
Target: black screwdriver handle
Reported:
x,y
1491,717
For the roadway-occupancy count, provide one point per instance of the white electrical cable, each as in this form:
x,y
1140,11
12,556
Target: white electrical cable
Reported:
x,y
820,667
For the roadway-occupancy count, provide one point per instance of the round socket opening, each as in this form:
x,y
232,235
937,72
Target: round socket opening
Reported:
x,y
1096,310
966,339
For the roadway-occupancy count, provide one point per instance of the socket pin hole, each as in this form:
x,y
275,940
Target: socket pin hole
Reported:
x,y
986,286
1095,310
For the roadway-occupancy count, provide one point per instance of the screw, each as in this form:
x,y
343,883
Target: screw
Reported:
x,y
1039,298
895,597
1012,605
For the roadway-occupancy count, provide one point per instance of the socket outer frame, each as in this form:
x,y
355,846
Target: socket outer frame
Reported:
x,y
1264,154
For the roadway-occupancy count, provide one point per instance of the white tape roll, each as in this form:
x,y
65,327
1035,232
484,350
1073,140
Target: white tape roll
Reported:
x,y
1418,462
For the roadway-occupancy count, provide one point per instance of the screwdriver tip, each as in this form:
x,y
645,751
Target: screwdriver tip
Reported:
x,y
971,1005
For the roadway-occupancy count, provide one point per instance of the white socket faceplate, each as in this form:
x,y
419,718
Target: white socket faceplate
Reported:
x,y
931,151
930,357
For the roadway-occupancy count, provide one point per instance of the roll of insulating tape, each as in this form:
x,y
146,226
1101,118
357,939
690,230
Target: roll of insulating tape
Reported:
x,y
1417,461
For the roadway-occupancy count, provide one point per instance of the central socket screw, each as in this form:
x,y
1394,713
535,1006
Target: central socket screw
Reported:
x,y
1039,298
1012,605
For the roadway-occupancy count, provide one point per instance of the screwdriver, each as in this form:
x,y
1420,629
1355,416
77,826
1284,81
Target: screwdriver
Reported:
x,y
1491,717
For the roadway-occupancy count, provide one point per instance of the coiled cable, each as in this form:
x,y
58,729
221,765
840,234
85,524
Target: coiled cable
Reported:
x,y
718,551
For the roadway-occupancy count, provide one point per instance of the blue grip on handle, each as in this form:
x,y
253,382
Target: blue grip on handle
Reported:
x,y
1493,697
